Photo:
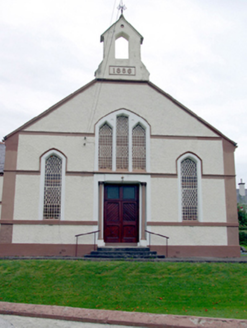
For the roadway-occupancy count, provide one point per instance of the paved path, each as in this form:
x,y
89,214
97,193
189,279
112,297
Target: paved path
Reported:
x,y
13,321
44,316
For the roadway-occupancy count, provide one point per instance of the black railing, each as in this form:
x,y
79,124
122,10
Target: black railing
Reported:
x,y
152,233
83,234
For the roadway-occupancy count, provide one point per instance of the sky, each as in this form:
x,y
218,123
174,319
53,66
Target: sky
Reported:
x,y
195,50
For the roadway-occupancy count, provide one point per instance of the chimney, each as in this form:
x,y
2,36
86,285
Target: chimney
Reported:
x,y
241,188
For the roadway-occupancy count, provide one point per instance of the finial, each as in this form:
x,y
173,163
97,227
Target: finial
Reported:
x,y
121,7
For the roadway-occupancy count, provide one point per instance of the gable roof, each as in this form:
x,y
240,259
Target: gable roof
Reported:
x,y
121,18
88,85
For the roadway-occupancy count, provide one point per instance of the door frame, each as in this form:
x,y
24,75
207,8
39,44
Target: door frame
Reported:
x,y
122,223
144,182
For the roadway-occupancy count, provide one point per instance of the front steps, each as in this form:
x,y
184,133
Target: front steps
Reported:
x,y
117,253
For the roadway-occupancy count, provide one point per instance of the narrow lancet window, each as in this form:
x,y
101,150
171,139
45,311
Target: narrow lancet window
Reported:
x,y
189,189
138,148
52,188
122,158
105,147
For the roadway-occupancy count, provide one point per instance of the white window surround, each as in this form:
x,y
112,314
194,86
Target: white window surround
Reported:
x,y
42,181
199,185
111,119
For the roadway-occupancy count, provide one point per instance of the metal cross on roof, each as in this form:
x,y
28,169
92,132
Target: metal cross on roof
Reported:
x,y
121,7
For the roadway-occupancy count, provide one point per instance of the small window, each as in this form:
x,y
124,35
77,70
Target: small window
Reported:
x,y
129,192
112,192
121,48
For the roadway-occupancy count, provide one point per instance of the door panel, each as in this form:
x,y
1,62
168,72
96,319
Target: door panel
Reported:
x,y
113,234
129,234
129,212
112,212
121,213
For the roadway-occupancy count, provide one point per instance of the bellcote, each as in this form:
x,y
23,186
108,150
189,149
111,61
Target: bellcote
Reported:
x,y
130,68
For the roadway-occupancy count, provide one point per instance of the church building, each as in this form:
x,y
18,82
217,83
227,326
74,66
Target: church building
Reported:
x,y
121,157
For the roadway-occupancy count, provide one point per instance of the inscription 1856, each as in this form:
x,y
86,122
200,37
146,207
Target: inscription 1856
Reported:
x,y
122,70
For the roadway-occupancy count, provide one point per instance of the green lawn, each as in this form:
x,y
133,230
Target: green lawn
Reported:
x,y
201,289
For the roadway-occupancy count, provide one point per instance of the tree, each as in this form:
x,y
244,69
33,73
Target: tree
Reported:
x,y
242,215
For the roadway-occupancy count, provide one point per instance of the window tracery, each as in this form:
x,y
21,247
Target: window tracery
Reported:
x,y
122,142
138,148
189,189
52,188
105,147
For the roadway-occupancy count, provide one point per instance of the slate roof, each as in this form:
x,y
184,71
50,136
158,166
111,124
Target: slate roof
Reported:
x,y
2,156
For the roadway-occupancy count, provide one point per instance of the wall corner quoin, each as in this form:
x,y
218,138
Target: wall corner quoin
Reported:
x,y
11,149
6,233
228,157
9,181
232,236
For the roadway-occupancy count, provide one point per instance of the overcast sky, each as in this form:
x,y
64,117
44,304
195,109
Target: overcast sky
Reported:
x,y
195,50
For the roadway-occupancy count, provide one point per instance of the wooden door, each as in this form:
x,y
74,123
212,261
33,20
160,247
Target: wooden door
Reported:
x,y
121,213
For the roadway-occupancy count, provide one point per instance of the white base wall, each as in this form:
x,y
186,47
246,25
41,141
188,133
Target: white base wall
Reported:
x,y
51,234
189,236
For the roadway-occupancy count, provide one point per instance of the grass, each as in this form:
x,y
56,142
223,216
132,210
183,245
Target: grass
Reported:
x,y
200,289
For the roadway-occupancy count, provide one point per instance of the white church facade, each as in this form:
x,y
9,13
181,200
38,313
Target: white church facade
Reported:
x,y
121,157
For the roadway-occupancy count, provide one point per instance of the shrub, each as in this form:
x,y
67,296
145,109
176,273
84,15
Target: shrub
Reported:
x,y
243,238
242,215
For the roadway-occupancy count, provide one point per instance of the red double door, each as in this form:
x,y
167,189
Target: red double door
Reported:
x,y
121,213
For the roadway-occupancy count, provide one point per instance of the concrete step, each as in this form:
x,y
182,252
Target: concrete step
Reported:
x,y
95,253
124,253
123,249
124,256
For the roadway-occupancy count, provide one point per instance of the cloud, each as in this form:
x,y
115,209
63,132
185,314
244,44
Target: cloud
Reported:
x,y
195,50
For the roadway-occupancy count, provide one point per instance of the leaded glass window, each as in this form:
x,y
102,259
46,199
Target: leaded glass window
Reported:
x,y
138,148
189,189
52,188
105,147
122,158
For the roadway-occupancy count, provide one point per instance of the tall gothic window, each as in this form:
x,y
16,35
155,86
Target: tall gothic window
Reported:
x,y
189,188
122,145
138,148
52,188
105,147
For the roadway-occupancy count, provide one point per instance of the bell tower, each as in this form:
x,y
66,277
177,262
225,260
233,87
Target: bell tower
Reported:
x,y
130,68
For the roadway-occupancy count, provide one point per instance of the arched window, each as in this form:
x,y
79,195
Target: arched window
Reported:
x,y
122,142
138,148
105,147
52,185
52,188
122,48
189,186
122,159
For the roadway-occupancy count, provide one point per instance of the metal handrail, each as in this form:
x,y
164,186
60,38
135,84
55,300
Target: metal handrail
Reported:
x,y
152,233
83,234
